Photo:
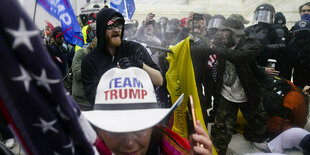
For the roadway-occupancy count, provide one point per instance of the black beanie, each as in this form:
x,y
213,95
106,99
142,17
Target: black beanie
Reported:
x,y
56,30
279,18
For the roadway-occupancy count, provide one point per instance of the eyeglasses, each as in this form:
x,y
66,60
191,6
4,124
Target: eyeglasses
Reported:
x,y
112,27
59,35
307,10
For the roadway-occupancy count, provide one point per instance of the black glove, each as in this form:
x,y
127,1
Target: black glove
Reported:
x,y
125,63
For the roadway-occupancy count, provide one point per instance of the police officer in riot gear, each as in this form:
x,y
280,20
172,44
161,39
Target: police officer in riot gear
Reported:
x,y
282,31
173,29
161,27
282,38
267,33
299,54
213,24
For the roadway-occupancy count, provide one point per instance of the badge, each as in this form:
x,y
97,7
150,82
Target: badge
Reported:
x,y
302,24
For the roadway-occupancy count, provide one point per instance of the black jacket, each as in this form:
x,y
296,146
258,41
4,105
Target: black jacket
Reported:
x,y
272,44
299,59
99,60
243,57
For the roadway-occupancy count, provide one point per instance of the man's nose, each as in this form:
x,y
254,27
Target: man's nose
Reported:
x,y
116,29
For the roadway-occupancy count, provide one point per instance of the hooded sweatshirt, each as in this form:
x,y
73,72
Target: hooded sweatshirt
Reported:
x,y
99,60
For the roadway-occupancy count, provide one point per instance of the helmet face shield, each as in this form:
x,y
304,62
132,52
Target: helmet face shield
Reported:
x,y
215,23
264,16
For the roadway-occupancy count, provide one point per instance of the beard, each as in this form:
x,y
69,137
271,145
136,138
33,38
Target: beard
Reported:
x,y
230,42
59,43
114,40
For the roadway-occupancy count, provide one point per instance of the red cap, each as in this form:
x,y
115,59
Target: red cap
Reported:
x,y
183,21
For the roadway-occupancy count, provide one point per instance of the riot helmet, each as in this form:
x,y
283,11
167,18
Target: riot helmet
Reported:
x,y
208,17
173,25
135,24
216,21
128,29
128,24
163,21
264,13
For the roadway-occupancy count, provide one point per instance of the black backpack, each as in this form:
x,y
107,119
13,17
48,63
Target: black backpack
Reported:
x,y
273,90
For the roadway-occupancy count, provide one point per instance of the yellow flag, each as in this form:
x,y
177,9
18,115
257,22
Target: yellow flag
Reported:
x,y
84,29
181,79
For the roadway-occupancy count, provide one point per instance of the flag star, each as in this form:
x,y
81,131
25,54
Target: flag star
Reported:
x,y
44,81
62,115
46,125
22,35
25,77
75,110
70,145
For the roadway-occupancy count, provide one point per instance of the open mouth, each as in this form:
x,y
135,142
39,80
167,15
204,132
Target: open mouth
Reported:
x,y
115,35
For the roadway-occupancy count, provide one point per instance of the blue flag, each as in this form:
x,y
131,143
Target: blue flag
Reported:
x,y
125,7
62,10
44,118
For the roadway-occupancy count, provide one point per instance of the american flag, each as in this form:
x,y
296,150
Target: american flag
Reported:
x,y
110,22
212,59
44,119
212,64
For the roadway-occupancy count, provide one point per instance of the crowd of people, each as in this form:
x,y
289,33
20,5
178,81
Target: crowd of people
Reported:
x,y
262,70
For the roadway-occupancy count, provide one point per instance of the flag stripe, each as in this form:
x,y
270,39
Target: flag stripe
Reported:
x,y
45,118
8,118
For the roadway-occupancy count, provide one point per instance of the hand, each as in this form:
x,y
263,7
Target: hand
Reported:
x,y
125,63
203,139
271,71
189,20
149,18
306,90
202,23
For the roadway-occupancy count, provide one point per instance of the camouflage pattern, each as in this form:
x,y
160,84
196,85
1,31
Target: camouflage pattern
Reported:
x,y
225,122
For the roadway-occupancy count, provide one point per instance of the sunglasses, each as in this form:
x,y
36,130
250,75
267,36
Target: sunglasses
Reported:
x,y
59,35
112,27
307,10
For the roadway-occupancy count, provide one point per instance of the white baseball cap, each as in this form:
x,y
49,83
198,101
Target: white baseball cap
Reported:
x,y
126,102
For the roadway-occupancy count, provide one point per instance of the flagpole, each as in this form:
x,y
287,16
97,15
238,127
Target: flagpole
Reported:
x,y
35,11
125,5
